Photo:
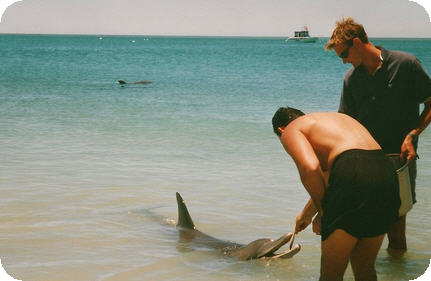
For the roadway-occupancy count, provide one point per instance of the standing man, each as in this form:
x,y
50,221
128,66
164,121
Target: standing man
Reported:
x,y
352,185
383,91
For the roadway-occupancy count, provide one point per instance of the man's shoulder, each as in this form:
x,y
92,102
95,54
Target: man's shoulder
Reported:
x,y
319,115
401,63
399,57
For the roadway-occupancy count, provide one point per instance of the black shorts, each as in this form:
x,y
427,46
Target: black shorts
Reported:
x,y
362,197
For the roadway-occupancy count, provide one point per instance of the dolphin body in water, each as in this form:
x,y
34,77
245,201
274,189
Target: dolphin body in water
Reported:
x,y
145,82
261,248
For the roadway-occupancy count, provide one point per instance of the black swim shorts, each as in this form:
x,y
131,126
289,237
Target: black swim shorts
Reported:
x,y
362,197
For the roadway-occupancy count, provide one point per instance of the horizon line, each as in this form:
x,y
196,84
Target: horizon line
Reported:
x,y
210,36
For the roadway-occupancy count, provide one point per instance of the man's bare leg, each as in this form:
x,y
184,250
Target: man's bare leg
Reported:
x,y
363,258
336,251
397,237
397,233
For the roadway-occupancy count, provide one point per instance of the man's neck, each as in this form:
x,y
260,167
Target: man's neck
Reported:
x,y
372,59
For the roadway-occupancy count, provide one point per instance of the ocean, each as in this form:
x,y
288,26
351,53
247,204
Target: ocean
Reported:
x,y
88,166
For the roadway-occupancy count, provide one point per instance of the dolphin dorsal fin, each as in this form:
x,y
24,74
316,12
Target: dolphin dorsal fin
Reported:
x,y
184,218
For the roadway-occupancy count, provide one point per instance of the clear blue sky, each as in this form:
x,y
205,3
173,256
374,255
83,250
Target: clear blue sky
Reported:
x,y
381,18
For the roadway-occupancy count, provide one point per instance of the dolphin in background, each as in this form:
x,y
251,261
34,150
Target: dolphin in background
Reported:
x,y
261,248
145,82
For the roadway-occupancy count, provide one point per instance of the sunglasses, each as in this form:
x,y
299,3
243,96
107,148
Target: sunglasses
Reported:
x,y
345,53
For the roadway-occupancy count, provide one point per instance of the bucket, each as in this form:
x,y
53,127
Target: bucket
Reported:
x,y
402,169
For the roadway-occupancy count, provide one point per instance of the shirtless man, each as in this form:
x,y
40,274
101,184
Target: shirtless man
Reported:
x,y
352,185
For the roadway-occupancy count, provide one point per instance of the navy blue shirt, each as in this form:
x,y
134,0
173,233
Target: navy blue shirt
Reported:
x,y
387,103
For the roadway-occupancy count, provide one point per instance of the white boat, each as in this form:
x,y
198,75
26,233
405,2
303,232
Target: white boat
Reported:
x,y
302,36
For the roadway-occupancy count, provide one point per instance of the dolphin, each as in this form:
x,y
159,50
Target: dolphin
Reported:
x,y
145,82
261,248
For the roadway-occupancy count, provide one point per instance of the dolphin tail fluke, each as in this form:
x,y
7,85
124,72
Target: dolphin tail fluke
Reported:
x,y
184,218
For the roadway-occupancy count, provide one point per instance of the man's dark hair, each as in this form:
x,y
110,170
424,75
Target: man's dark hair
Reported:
x,y
283,116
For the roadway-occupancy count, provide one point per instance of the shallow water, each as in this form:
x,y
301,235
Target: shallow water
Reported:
x,y
84,159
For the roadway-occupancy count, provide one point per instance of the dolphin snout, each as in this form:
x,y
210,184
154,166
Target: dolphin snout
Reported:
x,y
270,246
273,245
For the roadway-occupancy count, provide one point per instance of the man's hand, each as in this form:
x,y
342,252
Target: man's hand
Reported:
x,y
407,149
302,221
317,224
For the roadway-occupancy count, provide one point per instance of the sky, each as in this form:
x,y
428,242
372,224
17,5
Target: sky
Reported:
x,y
381,18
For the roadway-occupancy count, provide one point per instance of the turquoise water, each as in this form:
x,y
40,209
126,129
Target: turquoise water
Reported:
x,y
83,158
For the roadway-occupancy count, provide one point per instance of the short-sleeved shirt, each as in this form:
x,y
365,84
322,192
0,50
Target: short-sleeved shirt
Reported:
x,y
387,103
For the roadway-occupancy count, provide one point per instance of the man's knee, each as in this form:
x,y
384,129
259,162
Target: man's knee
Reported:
x,y
331,275
332,270
366,274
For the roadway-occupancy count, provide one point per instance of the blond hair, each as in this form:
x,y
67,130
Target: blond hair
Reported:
x,y
344,32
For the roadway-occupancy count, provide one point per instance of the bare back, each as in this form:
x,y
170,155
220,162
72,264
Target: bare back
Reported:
x,y
331,133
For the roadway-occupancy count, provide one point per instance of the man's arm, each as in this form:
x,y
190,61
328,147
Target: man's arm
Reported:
x,y
407,149
301,151
305,217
